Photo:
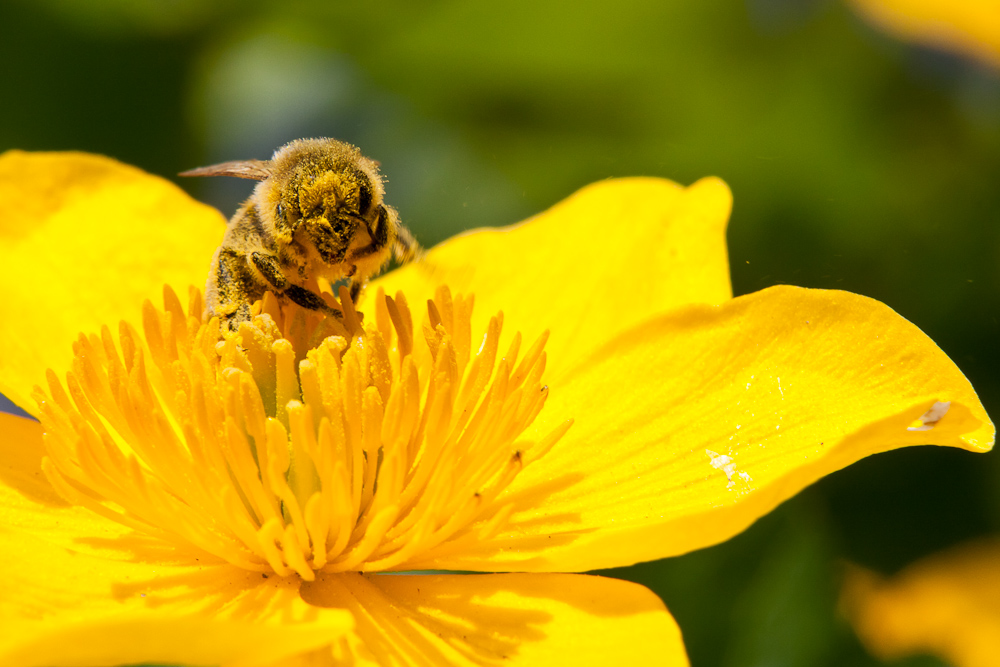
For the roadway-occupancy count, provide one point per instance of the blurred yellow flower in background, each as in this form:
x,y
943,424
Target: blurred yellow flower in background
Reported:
x,y
947,605
969,27
203,498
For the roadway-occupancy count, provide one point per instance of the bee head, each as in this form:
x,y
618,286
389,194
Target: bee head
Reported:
x,y
322,187
333,204
334,193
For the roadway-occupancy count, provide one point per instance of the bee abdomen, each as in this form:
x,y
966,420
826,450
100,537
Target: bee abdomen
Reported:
x,y
248,224
231,284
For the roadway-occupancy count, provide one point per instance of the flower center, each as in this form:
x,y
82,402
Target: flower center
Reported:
x,y
299,443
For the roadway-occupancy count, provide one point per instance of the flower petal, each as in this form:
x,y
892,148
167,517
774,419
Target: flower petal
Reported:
x,y
517,619
28,502
947,605
21,455
696,423
592,266
85,240
82,590
971,27
79,590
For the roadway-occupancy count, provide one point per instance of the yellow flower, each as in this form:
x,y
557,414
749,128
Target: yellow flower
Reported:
x,y
969,27
947,604
196,501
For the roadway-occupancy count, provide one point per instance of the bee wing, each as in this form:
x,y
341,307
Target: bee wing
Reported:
x,y
256,170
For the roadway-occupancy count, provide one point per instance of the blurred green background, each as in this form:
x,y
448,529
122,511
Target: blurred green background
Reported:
x,y
856,163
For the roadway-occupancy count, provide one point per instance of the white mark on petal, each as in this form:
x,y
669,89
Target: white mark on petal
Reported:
x,y
931,417
727,465
780,389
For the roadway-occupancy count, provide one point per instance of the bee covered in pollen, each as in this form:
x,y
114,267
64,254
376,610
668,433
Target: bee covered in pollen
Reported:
x,y
317,212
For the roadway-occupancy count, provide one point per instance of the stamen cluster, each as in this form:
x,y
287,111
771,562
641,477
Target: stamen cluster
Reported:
x,y
298,443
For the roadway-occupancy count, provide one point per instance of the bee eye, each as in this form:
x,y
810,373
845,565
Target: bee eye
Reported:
x,y
364,195
279,212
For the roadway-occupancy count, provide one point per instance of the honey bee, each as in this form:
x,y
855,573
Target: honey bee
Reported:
x,y
317,212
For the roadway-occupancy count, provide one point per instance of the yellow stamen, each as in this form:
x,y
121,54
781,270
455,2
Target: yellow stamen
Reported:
x,y
299,443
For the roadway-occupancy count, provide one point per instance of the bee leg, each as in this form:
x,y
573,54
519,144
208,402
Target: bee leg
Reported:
x,y
379,236
355,292
307,299
270,269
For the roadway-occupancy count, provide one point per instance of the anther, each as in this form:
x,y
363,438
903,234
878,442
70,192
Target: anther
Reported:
x,y
373,449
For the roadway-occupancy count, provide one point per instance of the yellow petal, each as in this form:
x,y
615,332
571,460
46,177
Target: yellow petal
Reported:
x,y
80,590
21,460
691,426
971,27
29,504
516,619
88,239
603,260
947,605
